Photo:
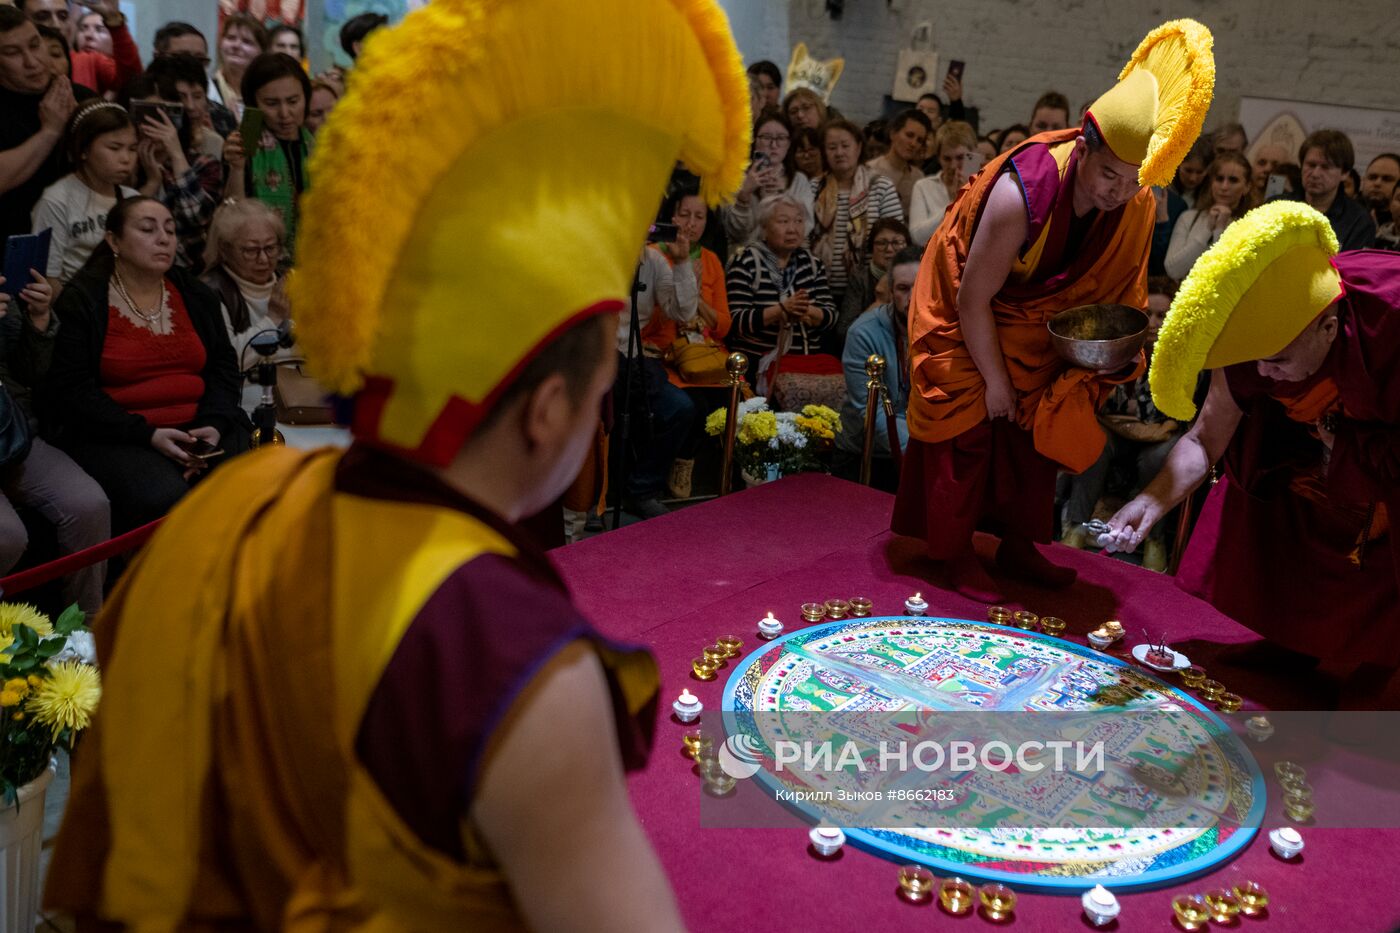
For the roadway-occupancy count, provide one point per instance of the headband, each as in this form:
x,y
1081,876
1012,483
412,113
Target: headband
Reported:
x,y
91,109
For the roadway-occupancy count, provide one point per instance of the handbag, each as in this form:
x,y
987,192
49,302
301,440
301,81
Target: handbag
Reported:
x,y
15,439
301,399
701,363
916,72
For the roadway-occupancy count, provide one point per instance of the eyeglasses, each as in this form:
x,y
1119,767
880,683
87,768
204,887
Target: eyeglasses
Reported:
x,y
251,253
889,243
771,138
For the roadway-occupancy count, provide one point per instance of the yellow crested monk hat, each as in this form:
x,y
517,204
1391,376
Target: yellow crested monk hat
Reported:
x,y
487,183
1153,115
1248,297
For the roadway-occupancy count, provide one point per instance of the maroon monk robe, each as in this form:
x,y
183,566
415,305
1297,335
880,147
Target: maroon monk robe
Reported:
x,y
1281,562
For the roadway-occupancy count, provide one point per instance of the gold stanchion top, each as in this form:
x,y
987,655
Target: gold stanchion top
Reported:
x,y
875,366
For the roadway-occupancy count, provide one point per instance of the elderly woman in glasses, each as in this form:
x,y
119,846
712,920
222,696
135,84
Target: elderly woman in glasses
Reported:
x,y
244,252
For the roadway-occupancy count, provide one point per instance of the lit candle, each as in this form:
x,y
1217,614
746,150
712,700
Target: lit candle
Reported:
x,y
1100,906
687,706
770,627
1259,728
916,605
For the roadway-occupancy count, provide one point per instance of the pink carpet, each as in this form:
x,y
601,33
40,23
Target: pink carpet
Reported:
x,y
677,582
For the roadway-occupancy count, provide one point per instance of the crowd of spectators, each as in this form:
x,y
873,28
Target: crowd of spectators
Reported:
x,y
173,220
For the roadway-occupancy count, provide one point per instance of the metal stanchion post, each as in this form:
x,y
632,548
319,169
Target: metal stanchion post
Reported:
x,y
875,399
735,366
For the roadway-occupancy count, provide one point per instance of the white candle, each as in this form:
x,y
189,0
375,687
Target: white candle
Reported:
x,y
916,605
827,840
1100,906
1286,842
769,627
687,707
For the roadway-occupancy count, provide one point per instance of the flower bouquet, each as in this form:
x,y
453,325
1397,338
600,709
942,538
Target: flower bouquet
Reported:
x,y
770,444
49,687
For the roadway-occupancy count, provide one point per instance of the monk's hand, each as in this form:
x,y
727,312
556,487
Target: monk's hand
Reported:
x,y
1001,399
1128,528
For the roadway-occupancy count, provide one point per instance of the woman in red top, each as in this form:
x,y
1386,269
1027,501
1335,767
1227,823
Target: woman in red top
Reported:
x,y
143,372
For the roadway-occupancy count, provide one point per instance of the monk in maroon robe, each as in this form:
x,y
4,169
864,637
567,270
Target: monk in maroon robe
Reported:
x,y
1295,539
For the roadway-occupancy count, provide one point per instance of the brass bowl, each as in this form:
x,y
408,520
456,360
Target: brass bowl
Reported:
x,y
1098,337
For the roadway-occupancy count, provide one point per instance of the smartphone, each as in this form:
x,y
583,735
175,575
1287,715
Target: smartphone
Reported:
x,y
761,161
1275,186
251,129
201,449
142,110
662,233
955,68
23,252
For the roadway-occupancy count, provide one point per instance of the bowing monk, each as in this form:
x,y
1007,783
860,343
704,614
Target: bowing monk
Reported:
x,y
1058,222
341,691
1303,344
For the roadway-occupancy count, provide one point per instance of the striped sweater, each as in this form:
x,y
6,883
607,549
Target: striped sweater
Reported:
x,y
753,288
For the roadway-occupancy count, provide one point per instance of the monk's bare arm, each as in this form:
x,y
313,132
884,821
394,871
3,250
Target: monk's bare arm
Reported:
x,y
1186,468
998,238
552,806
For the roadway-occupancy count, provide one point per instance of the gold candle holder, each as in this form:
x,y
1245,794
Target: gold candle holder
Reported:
x,y
1113,627
1254,900
955,896
696,743
915,882
1211,690
1193,676
1025,619
1299,809
1288,771
1051,625
1191,911
703,669
731,644
1296,786
718,782
813,612
837,608
716,655
1224,907
1229,702
998,901
999,615
860,606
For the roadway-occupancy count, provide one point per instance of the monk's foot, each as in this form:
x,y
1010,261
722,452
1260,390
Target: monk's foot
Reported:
x,y
967,576
1018,556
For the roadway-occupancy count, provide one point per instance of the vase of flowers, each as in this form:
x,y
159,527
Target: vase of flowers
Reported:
x,y
769,444
49,687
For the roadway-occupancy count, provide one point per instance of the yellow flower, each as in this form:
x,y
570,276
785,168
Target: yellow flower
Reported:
x,y
35,680
832,418
815,427
18,717
66,700
17,685
10,698
758,426
12,614
714,424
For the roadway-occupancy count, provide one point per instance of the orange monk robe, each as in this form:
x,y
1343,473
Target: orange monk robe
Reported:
x,y
1056,402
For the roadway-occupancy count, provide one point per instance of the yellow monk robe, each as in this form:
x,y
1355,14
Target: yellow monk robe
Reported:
x,y
220,784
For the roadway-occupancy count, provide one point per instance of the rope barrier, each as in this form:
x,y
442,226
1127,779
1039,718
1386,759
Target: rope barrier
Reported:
x,y
69,563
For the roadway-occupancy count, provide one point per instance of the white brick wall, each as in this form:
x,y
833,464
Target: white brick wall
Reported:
x,y
1345,53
